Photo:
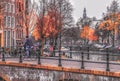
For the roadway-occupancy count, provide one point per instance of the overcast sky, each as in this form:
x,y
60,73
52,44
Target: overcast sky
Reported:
x,y
93,7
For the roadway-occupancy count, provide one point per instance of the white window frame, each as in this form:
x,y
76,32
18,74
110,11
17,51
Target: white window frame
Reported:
x,y
13,9
9,22
5,6
13,23
8,37
5,38
5,21
9,7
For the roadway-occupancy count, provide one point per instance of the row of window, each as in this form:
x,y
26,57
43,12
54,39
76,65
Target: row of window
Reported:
x,y
19,34
9,7
9,21
7,36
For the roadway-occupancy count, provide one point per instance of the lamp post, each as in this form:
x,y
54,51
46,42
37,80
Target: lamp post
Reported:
x,y
60,52
82,61
39,54
107,60
60,36
20,52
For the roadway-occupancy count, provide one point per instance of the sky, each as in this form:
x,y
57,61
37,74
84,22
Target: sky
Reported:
x,y
93,7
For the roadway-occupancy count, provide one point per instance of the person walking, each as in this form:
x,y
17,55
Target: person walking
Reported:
x,y
27,46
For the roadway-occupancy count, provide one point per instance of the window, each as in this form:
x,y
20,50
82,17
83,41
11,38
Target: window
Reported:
x,y
5,21
9,7
12,22
5,7
12,8
9,22
0,24
1,9
17,34
5,38
8,41
13,39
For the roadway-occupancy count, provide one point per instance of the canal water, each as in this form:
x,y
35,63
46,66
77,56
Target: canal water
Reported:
x,y
25,74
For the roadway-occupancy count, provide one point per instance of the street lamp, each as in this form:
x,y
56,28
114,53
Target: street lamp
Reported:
x,y
20,52
39,54
107,60
60,36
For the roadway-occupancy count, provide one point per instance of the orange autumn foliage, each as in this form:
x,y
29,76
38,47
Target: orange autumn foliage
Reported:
x,y
112,23
88,33
48,28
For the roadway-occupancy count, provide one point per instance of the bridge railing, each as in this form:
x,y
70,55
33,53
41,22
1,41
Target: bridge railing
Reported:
x,y
75,59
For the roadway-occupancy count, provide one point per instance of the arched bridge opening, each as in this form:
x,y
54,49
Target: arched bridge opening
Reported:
x,y
4,77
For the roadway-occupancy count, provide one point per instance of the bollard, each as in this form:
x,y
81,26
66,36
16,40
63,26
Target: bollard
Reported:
x,y
3,55
82,62
88,55
20,52
107,60
70,51
39,55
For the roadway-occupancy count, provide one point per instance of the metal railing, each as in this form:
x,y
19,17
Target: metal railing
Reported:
x,y
84,60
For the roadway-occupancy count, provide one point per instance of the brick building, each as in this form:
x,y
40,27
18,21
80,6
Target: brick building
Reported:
x,y
12,12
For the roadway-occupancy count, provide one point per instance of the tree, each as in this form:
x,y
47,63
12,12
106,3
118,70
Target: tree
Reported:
x,y
71,34
53,16
24,15
65,10
110,23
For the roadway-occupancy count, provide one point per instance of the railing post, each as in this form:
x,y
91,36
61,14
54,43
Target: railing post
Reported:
x,y
70,51
60,58
54,50
82,61
80,48
20,52
107,60
39,55
3,55
88,55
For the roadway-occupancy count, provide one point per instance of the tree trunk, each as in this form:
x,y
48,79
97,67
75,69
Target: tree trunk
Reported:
x,y
42,46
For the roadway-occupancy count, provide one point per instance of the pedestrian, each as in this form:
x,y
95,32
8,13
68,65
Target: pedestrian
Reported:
x,y
27,46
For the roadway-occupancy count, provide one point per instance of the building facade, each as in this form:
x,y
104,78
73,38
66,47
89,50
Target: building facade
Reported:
x,y
12,13
7,32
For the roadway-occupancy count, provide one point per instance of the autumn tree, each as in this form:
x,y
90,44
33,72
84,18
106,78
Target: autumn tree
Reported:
x,y
52,17
108,28
24,13
64,8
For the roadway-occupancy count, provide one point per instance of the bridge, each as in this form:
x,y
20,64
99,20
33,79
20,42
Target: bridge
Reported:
x,y
103,64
